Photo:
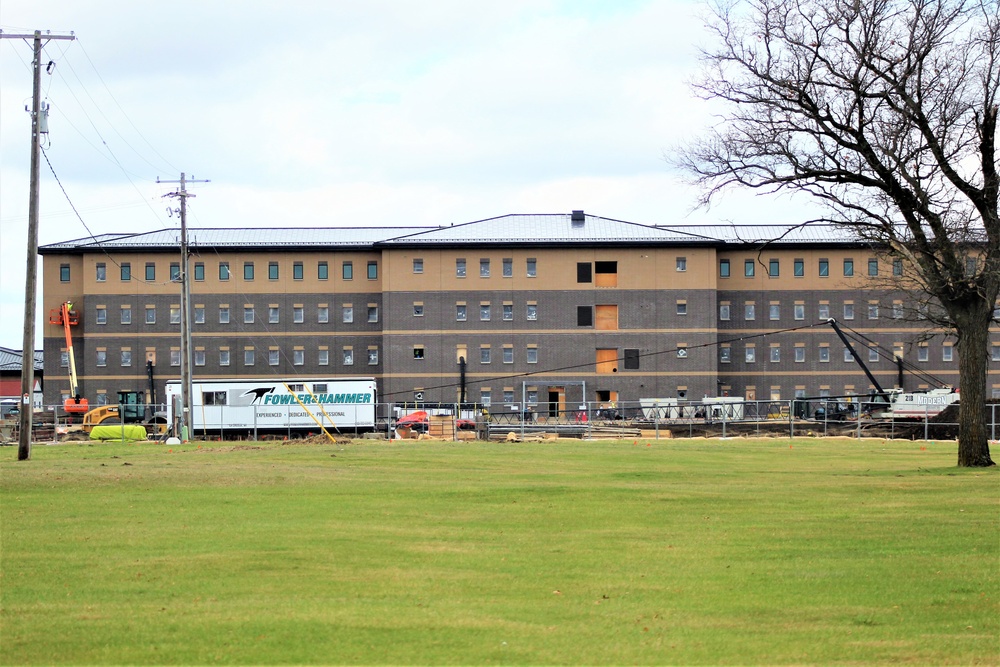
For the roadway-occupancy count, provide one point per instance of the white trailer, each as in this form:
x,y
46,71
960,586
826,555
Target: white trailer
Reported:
x,y
278,405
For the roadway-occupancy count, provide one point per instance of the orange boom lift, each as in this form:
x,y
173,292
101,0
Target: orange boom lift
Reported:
x,y
66,316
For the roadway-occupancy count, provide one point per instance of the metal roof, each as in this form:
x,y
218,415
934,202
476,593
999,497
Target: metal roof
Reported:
x,y
10,360
780,234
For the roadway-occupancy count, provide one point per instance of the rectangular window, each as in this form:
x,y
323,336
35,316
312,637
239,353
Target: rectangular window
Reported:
x,y
64,273
584,316
484,312
461,312
273,357
773,268
508,355
872,354
273,315
775,311
372,313
484,268
947,353
298,314
485,397
323,359
223,314
247,270
418,310
272,270
824,268
873,267
923,353
848,355
800,354
373,356
199,314
775,354
102,315
682,308
298,272
199,271
531,312
223,357
724,312
799,268
723,268
322,271
372,270
508,267
126,272
64,359
126,357
347,271
298,357
508,312
418,351
127,315
606,274
418,265
606,317
751,354
175,314
848,267
460,268
824,354
102,272
682,264
749,311
532,355
799,311
248,315
199,357
249,357
175,272
348,356
725,355
583,274
897,310
323,314
682,351
347,314
223,271
748,268
848,311
175,356
897,267
607,360
996,352
873,311
532,267
150,314
484,355
150,271
102,358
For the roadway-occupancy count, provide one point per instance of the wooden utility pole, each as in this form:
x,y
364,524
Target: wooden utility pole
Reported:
x,y
31,278
185,277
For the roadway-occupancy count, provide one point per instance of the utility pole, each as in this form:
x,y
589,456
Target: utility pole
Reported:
x,y
185,277
31,278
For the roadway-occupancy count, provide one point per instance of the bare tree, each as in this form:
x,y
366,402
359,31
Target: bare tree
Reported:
x,y
885,111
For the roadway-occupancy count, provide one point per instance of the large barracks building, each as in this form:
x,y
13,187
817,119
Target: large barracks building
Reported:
x,y
557,309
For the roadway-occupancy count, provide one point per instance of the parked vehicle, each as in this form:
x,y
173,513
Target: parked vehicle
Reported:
x,y
419,420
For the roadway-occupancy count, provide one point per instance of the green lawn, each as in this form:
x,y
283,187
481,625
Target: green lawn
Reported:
x,y
670,552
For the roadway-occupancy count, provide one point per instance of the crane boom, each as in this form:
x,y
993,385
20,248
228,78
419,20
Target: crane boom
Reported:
x,y
871,378
66,317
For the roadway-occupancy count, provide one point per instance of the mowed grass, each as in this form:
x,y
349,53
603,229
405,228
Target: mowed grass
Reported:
x,y
568,552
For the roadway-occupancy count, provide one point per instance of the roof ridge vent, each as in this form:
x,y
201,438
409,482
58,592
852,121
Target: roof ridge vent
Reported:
x,y
578,218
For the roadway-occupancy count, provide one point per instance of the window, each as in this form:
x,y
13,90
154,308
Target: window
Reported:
x,y
749,311
800,354
873,267
126,357
873,311
102,272
418,310
272,270
223,357
682,264
848,311
175,314
247,270
872,354
824,354
249,357
461,312
298,314
418,265
298,272
223,271
531,312
484,355
298,357
373,357
532,267
484,312
150,314
947,353
897,310
606,274
484,268
459,268
348,356
418,352
923,353
323,359
199,357
347,271
682,351
775,354
175,272
751,354
273,315
723,268
322,271
248,315
508,267
508,312
347,314
584,316
724,312
773,268
175,356
126,272
583,274
102,358
199,314
996,352
372,270
323,314
824,268
824,311
372,313
897,267
102,315
150,271
631,359
848,355
848,267
799,268
508,395
774,311
682,308
64,359
799,311
970,266
223,314
199,271
508,355
485,397
273,357
127,315
725,355
532,355
748,268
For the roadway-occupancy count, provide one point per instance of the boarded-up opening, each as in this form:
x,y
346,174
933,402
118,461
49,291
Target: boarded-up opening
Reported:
x,y
607,318
606,274
607,361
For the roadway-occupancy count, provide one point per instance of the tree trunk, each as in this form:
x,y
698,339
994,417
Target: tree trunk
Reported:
x,y
973,358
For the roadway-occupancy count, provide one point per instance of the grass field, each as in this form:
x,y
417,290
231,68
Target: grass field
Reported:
x,y
671,552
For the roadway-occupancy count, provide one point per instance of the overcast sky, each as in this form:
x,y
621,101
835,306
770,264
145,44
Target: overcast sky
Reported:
x,y
346,113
